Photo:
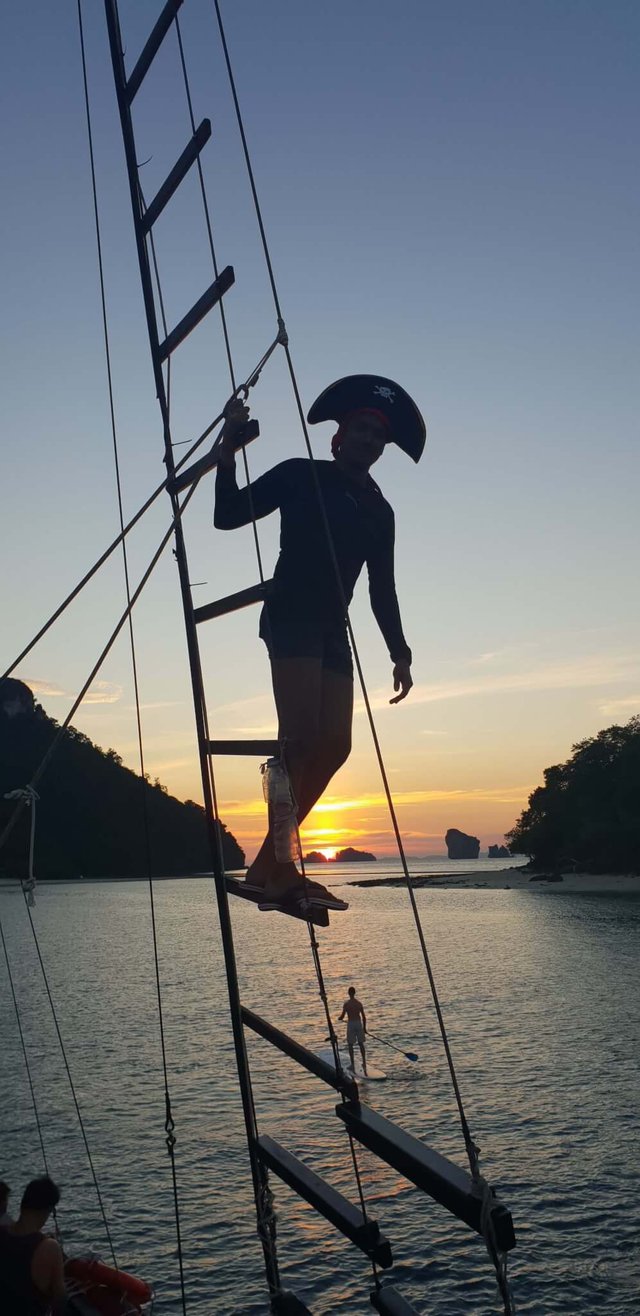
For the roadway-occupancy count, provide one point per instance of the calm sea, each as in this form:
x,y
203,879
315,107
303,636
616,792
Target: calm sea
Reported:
x,y
541,994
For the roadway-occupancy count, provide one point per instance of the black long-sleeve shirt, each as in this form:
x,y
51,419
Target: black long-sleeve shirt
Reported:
x,y
362,527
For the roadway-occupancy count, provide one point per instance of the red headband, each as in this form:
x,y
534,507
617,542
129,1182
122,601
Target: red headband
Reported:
x,y
346,421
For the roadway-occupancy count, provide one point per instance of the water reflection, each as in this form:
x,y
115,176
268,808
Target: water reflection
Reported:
x,y
541,1000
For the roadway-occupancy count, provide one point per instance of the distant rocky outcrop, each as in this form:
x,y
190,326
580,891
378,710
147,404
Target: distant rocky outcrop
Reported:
x,y
89,816
351,856
461,846
499,852
315,857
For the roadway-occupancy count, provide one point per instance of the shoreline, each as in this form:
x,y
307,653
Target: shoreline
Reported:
x,y
515,879
499,879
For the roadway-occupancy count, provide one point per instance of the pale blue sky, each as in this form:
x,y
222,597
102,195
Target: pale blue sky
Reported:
x,y
451,196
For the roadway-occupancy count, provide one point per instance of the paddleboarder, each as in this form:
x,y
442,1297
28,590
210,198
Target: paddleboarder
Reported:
x,y
353,1011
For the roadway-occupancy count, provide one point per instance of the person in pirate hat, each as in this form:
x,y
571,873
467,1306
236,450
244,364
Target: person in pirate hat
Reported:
x,y
333,519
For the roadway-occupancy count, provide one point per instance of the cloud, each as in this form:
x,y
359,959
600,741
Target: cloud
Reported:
x,y
378,800
592,670
629,705
161,703
375,800
46,688
267,730
239,705
101,692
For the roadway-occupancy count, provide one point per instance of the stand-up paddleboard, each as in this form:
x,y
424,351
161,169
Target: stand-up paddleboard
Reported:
x,y
372,1075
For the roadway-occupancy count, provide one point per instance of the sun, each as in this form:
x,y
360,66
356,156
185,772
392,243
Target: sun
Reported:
x,y
328,852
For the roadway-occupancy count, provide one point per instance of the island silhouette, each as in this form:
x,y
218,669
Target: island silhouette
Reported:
x,y
346,856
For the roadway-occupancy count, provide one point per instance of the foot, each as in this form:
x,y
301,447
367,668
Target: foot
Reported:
x,y
281,886
256,876
286,886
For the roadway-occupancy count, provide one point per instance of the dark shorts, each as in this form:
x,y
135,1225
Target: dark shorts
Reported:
x,y
294,636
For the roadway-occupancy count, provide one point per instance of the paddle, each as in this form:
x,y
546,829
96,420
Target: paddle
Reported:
x,y
409,1055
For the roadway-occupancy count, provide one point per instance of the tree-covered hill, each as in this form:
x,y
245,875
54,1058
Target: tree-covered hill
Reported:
x,y
587,814
90,807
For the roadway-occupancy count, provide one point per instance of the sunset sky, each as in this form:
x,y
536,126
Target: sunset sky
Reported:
x,y
451,197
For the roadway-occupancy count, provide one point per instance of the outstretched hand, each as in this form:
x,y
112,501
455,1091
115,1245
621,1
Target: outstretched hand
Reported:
x,y
402,680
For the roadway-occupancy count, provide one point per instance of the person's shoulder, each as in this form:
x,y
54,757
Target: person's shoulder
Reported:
x,y
49,1247
293,471
376,493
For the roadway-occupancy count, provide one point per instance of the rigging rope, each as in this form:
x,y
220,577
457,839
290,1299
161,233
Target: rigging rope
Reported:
x,y
169,1121
28,1069
76,1103
470,1146
46,758
249,383
28,797
281,339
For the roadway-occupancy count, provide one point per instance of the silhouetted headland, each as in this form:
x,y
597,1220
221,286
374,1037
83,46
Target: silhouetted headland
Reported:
x,y
89,814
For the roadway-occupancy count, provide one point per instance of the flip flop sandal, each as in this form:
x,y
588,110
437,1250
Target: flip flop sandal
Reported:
x,y
316,896
312,914
285,905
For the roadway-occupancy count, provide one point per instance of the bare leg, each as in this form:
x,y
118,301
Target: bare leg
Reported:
x,y
364,1057
297,688
315,710
352,1059
333,744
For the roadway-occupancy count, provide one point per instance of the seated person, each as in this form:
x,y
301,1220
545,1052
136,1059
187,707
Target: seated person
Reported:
x,y
31,1263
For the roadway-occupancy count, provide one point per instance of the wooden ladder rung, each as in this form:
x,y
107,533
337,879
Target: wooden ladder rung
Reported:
x,y
440,1178
189,474
286,1303
389,1302
175,176
151,48
204,304
325,1199
264,749
243,598
308,1059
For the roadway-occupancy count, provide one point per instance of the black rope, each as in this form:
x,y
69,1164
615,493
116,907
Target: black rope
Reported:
x,y
76,1103
104,557
335,1047
46,758
265,1216
223,316
470,1146
28,1069
336,566
281,340
169,1121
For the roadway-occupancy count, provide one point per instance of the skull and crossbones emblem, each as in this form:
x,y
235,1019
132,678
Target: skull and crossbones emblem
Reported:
x,y
384,392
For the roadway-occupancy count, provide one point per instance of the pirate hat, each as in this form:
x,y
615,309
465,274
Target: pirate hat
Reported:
x,y
407,427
